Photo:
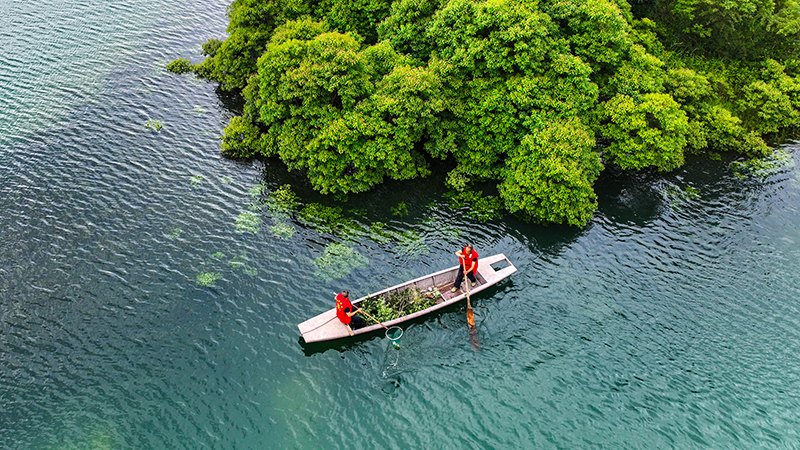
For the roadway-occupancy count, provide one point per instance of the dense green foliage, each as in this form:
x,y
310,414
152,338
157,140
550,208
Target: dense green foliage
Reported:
x,y
742,29
397,304
535,95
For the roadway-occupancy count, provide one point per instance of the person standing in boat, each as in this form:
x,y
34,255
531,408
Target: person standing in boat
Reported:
x,y
345,312
468,262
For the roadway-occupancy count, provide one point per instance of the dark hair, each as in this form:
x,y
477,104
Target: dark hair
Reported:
x,y
345,293
469,245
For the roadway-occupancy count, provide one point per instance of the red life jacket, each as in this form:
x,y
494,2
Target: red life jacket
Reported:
x,y
466,259
341,303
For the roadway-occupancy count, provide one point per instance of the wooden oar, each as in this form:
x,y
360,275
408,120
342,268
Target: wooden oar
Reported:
x,y
367,314
473,333
470,315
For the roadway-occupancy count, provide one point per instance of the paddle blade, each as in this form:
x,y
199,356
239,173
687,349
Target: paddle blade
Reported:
x,y
473,338
473,333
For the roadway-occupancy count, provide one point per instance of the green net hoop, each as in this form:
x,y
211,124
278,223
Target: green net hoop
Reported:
x,y
394,334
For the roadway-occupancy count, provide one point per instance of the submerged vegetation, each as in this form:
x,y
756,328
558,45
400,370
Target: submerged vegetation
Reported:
x,y
764,168
677,197
337,261
239,263
282,230
248,222
175,233
536,96
154,125
208,279
478,207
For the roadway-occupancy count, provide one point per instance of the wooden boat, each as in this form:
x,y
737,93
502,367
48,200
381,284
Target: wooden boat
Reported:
x,y
491,270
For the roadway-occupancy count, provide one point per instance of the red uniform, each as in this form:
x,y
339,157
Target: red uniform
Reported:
x,y
343,303
466,259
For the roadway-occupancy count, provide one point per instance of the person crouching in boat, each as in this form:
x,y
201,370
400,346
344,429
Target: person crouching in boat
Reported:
x,y
345,313
468,262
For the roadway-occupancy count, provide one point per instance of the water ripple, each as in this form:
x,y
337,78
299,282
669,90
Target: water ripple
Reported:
x,y
664,324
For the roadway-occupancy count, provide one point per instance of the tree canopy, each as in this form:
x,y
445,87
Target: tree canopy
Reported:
x,y
537,96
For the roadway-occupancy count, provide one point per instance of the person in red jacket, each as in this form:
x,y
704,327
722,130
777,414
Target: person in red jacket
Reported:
x,y
346,313
468,260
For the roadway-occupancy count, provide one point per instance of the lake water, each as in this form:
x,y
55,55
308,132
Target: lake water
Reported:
x,y
671,321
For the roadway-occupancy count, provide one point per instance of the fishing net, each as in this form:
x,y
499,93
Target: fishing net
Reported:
x,y
394,334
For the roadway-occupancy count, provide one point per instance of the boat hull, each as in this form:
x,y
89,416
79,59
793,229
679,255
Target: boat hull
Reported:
x,y
327,327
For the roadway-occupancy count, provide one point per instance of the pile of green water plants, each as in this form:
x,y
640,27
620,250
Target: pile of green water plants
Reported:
x,y
397,304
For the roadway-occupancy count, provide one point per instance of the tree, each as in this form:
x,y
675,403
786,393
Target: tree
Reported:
x,y
740,30
651,133
355,16
513,91
349,117
502,74
773,102
549,177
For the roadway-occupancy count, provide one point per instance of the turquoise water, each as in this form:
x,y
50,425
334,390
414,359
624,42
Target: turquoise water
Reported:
x,y
671,321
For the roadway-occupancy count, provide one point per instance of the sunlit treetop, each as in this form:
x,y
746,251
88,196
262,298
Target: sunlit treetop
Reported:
x,y
537,96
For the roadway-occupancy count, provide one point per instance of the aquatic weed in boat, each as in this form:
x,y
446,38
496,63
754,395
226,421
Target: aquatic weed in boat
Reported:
x,y
398,304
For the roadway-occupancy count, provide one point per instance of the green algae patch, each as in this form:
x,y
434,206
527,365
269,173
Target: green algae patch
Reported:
x,y
100,437
282,230
677,196
323,217
154,125
337,261
763,168
328,219
248,222
378,233
257,191
282,202
239,264
208,279
411,245
478,207
401,210
196,180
